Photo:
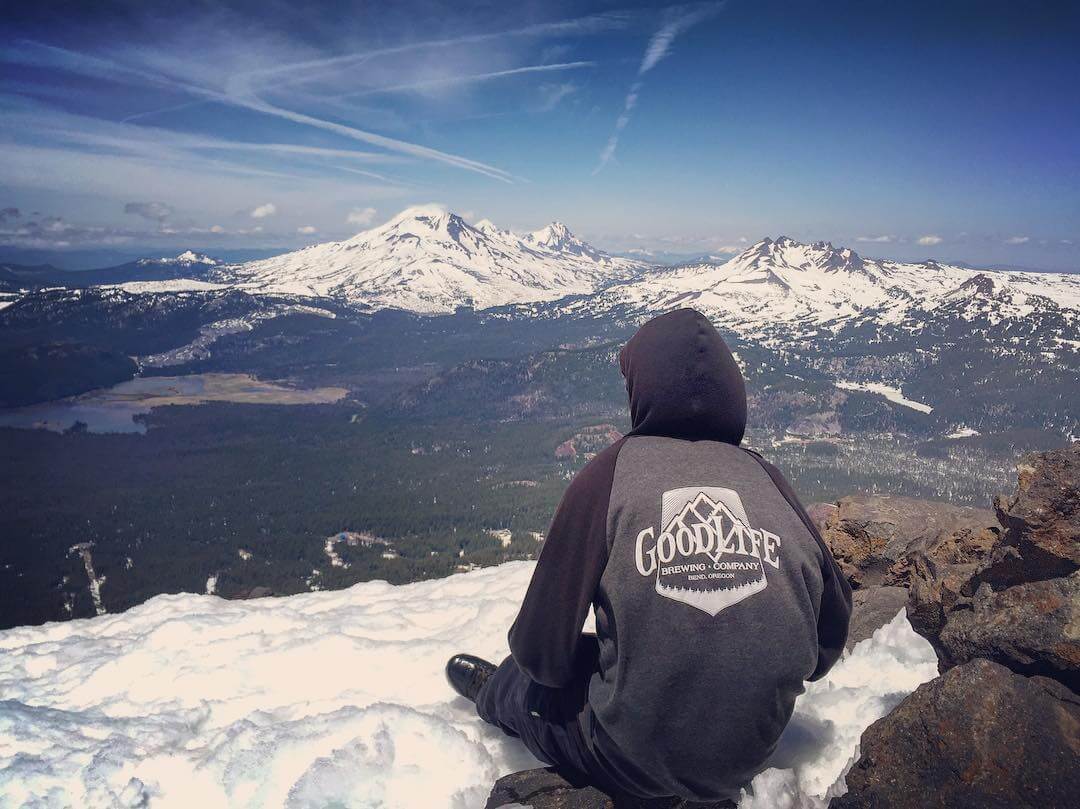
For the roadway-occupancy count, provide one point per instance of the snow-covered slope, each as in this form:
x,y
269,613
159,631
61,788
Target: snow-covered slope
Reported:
x,y
786,286
333,698
430,261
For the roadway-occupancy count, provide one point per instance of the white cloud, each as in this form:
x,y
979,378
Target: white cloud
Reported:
x,y
729,249
552,94
883,239
217,229
263,211
1018,240
361,216
307,230
679,20
930,240
472,78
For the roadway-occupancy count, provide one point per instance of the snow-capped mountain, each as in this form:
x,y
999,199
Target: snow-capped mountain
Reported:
x,y
431,261
786,287
186,259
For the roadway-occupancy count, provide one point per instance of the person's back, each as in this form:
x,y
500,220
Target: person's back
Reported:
x,y
715,598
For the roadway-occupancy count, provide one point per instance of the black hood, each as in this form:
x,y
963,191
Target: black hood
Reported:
x,y
683,381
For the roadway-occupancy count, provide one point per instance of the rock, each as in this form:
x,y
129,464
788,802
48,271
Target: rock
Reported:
x,y
1018,605
872,608
978,736
259,591
547,789
936,589
1030,628
875,538
822,514
1042,520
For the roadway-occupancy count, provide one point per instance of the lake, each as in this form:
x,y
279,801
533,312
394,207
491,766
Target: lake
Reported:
x,y
113,410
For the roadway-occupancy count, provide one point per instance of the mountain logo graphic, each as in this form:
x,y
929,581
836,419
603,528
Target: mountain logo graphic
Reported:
x,y
707,554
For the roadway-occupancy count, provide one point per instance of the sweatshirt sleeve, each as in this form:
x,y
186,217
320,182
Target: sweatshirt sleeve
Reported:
x,y
835,609
544,637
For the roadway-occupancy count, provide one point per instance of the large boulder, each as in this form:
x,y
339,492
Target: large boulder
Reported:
x,y
1019,604
547,789
978,736
1031,628
1042,520
874,538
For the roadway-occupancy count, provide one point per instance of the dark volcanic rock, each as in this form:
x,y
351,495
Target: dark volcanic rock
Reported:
x,y
1042,520
872,608
1030,628
1018,605
875,537
978,736
547,789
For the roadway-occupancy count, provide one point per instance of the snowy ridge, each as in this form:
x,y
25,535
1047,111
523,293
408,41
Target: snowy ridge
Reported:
x,y
774,286
431,261
334,698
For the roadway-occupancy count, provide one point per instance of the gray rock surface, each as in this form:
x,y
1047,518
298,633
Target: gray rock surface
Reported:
x,y
978,736
871,608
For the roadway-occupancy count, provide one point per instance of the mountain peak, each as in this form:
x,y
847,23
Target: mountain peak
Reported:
x,y
557,238
187,258
978,284
554,235
428,259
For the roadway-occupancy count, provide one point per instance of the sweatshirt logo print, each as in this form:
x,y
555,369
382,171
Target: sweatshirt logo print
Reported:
x,y
707,555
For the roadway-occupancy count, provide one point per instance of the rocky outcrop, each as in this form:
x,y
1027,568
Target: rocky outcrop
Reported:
x,y
1001,726
1042,520
978,736
875,538
1031,628
547,789
1020,604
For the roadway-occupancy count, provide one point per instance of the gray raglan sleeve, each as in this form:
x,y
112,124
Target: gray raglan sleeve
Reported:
x,y
544,638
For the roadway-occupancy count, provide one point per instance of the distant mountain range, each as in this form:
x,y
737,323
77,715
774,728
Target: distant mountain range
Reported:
x,y
998,335
783,288
187,264
430,261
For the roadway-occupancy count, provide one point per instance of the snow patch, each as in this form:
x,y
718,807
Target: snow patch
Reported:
x,y
892,394
963,432
334,698
172,285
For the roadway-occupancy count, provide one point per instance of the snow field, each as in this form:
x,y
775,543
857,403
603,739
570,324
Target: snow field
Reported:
x,y
333,698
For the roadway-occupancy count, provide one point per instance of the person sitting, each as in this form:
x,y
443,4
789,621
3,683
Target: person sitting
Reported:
x,y
714,595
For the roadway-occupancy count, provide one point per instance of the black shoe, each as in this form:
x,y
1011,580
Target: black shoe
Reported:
x,y
467,673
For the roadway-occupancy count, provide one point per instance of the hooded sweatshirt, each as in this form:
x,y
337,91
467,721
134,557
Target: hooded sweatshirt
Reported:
x,y
714,595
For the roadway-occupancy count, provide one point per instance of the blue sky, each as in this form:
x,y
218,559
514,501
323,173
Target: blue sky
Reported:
x,y
900,129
